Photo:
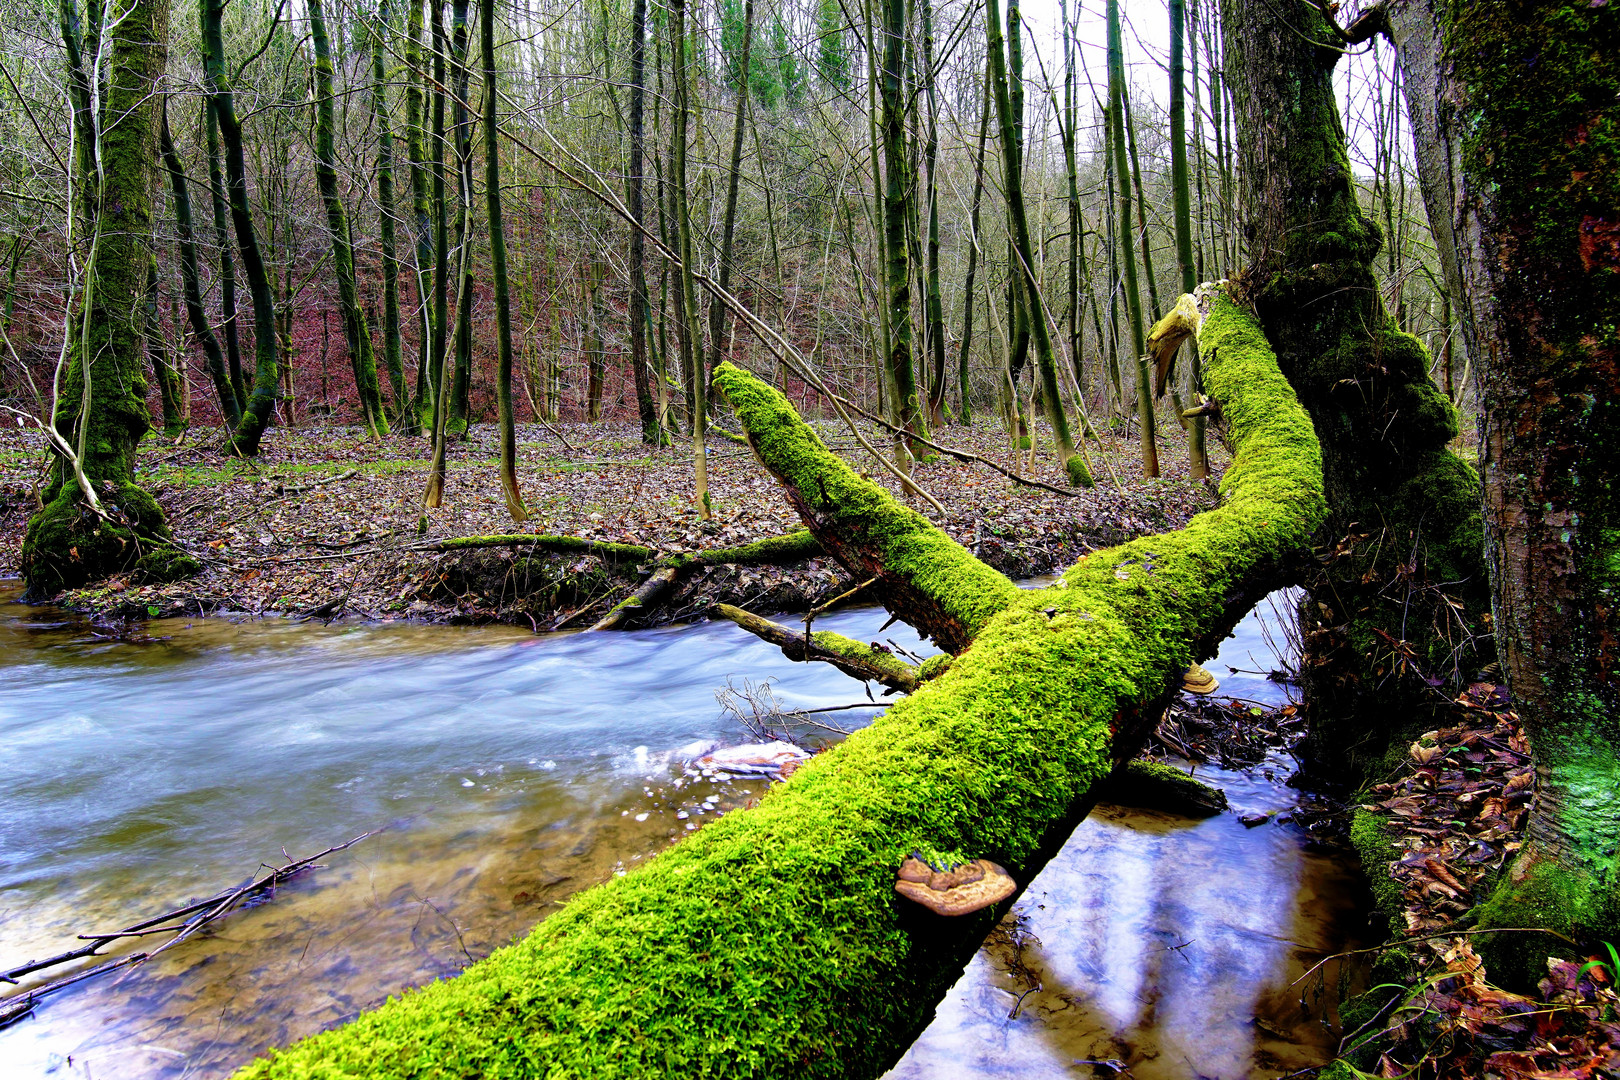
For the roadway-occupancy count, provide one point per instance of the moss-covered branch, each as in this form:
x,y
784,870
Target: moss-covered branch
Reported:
x,y
771,942
846,654
936,583
772,551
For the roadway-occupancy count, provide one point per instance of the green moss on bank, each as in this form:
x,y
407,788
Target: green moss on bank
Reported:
x,y
771,942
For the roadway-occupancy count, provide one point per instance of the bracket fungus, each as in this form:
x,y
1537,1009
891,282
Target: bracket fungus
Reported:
x,y
957,890
1198,680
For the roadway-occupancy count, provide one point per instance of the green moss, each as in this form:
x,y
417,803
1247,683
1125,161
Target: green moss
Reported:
x,y
933,667
771,943
1574,894
775,550
67,544
840,645
1079,475
949,594
1157,786
1372,841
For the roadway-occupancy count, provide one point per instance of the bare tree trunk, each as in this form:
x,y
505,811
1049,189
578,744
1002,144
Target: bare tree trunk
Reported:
x,y
717,311
1198,460
1133,297
652,431
686,308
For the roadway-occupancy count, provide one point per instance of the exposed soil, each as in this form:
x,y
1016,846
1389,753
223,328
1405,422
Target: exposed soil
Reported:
x,y
321,524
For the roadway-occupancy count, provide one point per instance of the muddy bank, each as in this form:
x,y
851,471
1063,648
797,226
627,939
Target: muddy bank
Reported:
x,y
326,523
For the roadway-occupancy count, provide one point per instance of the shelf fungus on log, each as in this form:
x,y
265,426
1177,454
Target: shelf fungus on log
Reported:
x,y
1198,680
956,890
771,943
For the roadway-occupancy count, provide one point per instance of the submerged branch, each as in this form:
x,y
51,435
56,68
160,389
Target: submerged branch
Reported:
x,y
194,917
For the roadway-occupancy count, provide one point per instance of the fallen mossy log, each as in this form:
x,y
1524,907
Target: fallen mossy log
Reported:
x,y
771,942
944,591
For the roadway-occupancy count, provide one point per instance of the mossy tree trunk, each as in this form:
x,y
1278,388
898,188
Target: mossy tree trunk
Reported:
x,y
356,324
393,347
1404,522
258,405
771,943
497,268
1024,253
101,409
899,362
1516,114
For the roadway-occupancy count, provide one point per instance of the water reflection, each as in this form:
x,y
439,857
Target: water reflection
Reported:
x,y
1158,945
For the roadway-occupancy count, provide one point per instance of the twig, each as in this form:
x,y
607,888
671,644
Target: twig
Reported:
x,y
196,916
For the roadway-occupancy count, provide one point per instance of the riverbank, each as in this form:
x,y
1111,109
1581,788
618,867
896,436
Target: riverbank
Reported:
x,y
326,523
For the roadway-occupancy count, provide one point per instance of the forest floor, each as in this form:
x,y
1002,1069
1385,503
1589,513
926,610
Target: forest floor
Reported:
x,y
326,522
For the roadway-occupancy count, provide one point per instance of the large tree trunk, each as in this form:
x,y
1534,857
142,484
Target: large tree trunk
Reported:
x,y
101,412
1404,518
772,942
1515,110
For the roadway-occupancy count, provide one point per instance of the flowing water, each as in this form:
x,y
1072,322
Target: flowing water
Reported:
x,y
506,771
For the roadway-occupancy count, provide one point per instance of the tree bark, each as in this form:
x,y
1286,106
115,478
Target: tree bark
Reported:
x,y
497,268
356,324
652,429
728,228
688,329
1515,117
1024,254
1133,296
393,347
1197,459
1404,508
213,358
257,406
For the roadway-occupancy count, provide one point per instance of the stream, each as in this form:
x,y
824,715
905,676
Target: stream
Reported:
x,y
506,771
